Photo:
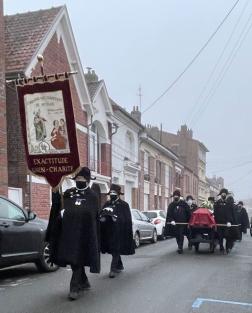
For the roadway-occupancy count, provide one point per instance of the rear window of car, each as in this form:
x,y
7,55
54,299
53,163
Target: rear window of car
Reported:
x,y
151,214
162,214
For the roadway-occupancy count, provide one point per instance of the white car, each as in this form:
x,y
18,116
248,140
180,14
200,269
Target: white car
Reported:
x,y
158,218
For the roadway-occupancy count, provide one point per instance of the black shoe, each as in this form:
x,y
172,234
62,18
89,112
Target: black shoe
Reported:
x,y
85,285
73,295
112,274
120,267
180,251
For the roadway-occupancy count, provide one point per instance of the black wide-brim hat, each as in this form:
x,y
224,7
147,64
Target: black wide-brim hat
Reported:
x,y
84,172
223,190
211,199
176,193
115,188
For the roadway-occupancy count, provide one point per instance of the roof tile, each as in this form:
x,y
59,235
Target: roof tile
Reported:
x,y
23,34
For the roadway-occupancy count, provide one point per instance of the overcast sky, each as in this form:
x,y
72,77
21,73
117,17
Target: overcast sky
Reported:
x,y
150,42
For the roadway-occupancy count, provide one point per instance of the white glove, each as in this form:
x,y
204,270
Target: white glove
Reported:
x,y
173,223
228,224
62,213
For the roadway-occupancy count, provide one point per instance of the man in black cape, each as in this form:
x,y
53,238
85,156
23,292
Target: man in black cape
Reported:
x,y
116,229
242,218
193,207
224,214
73,232
178,212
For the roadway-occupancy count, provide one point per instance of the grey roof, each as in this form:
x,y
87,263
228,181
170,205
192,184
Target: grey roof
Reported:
x,y
93,87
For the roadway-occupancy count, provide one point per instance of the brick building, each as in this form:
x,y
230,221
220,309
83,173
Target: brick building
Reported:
x,y
46,32
3,124
161,173
192,153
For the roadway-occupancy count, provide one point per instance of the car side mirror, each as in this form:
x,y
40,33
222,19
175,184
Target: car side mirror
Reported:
x,y
31,216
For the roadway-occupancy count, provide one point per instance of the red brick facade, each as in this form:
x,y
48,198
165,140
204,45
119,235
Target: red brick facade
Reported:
x,y
106,159
41,200
3,124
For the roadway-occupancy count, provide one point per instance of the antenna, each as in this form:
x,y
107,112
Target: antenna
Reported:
x,y
140,97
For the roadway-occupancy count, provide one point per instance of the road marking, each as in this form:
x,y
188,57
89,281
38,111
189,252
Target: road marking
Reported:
x,y
199,301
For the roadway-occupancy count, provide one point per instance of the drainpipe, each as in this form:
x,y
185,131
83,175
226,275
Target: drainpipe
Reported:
x,y
88,143
111,137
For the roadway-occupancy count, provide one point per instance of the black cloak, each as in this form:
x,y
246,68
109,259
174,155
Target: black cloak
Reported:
x,y
224,212
116,228
73,238
180,213
242,218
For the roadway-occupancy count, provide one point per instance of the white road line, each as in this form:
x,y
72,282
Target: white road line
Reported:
x,y
199,301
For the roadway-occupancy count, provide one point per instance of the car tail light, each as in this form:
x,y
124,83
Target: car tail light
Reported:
x,y
157,221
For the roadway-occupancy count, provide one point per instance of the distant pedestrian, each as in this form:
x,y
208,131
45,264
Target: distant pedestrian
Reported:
x,y
193,207
116,230
191,202
178,215
242,218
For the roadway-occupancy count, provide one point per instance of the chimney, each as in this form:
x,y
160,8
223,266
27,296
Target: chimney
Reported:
x,y
91,76
3,123
136,114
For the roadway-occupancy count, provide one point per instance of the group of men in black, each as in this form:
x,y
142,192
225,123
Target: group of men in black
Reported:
x,y
78,230
231,219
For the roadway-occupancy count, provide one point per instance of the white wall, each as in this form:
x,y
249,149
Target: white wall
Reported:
x,y
120,150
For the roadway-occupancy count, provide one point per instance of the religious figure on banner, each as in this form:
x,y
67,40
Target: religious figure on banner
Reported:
x,y
58,139
46,123
39,124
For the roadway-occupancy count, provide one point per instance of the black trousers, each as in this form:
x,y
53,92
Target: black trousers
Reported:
x,y
78,277
116,263
221,235
180,236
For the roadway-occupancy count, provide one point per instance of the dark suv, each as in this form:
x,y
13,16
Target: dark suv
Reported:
x,y
22,237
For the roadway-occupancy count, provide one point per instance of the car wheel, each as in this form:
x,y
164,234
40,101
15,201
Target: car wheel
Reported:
x,y
163,237
137,240
154,236
44,264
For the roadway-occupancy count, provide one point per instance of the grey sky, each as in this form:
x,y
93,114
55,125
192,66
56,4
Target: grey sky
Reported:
x,y
150,42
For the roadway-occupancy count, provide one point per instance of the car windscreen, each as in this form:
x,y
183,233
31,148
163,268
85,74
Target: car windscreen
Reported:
x,y
150,214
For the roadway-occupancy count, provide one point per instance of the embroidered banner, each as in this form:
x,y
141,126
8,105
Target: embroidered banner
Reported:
x,y
48,128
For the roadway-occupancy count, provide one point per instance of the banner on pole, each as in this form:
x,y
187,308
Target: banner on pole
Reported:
x,y
48,128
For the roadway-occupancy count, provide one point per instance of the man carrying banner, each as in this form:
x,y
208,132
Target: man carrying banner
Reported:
x,y
116,230
73,232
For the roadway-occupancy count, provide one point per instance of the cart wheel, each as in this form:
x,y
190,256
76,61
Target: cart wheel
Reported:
x,y
196,247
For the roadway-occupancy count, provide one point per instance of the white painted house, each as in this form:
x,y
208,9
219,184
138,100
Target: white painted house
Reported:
x,y
125,153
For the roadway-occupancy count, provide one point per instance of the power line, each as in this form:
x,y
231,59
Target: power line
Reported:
x,y
193,59
191,115
224,70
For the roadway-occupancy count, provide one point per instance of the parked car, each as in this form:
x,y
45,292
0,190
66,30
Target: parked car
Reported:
x,y
143,229
158,218
22,238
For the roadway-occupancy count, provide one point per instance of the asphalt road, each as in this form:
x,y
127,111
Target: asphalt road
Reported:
x,y
156,280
